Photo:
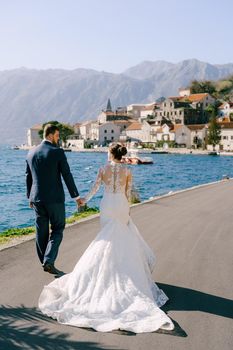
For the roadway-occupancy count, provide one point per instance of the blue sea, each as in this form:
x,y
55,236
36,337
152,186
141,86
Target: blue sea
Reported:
x,y
170,172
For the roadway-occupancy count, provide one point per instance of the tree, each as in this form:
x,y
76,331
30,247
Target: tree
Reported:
x,y
214,132
197,87
213,108
65,130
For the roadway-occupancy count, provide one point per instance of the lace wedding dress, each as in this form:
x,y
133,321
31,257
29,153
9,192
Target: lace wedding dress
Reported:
x,y
111,286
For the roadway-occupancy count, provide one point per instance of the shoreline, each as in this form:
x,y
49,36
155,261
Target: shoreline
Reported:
x,y
15,241
182,151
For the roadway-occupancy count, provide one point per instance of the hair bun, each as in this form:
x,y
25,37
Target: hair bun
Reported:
x,y
122,150
118,150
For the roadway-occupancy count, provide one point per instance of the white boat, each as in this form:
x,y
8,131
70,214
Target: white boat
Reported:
x,y
134,159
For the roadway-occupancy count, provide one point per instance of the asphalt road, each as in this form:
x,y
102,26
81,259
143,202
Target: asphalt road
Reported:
x,y
192,236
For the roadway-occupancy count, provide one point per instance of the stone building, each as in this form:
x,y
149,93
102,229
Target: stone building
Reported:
x,y
182,135
148,111
108,115
165,133
76,127
185,109
134,110
198,133
226,143
105,133
226,109
85,130
134,132
33,137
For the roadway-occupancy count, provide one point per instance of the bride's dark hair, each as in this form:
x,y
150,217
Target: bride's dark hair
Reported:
x,y
118,151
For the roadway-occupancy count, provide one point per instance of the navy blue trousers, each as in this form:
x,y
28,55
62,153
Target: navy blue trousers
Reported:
x,y
47,243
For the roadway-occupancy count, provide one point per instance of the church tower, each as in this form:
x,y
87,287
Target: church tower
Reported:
x,y
109,107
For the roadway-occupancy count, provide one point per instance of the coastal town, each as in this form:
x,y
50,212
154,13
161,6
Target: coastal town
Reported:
x,y
175,122
116,175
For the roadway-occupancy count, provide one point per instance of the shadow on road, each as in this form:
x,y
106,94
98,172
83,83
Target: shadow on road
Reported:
x,y
25,328
192,300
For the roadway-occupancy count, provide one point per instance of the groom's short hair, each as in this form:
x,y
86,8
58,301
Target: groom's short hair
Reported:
x,y
50,129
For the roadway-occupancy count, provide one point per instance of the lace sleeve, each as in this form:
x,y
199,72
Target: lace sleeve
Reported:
x,y
95,187
129,184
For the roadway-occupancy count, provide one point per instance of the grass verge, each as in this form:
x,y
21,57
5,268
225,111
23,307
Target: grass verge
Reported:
x,y
8,235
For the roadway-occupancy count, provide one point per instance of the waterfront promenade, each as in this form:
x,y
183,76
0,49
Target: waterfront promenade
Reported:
x,y
192,235
179,150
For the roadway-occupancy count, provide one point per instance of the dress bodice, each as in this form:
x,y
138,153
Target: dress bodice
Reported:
x,y
115,177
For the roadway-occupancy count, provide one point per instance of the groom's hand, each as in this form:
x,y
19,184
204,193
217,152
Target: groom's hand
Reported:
x,y
80,202
31,205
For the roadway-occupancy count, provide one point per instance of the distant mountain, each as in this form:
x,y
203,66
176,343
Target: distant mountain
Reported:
x,y
168,77
192,68
147,69
29,97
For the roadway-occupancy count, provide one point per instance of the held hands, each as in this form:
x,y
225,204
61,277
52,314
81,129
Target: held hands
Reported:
x,y
80,202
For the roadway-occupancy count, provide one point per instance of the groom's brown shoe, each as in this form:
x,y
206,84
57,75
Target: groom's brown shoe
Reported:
x,y
51,269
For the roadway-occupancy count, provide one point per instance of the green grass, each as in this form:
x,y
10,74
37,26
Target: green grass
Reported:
x,y
7,235
81,215
11,233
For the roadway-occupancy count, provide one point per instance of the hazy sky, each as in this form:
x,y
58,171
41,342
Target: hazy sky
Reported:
x,y
112,35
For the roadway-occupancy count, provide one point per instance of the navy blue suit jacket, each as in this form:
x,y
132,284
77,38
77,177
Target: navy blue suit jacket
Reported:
x,y
45,165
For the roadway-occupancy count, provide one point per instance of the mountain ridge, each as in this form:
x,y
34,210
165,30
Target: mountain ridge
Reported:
x,y
32,96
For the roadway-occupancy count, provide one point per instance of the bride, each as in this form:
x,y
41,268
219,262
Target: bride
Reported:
x,y
111,286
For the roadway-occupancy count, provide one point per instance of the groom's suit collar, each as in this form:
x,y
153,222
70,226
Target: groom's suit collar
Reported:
x,y
49,143
45,140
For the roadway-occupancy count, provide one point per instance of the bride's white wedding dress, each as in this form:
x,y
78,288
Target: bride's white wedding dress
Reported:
x,y
111,286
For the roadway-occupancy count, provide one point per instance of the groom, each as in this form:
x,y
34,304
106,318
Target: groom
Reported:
x,y
45,165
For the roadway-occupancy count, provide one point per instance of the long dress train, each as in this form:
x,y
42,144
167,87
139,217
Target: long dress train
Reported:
x,y
111,286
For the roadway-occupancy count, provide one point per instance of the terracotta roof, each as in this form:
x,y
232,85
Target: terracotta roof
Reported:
x,y
176,127
196,127
135,126
150,107
226,125
224,119
159,130
191,98
197,97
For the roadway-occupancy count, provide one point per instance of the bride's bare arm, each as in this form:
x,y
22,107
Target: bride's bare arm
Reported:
x,y
95,187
